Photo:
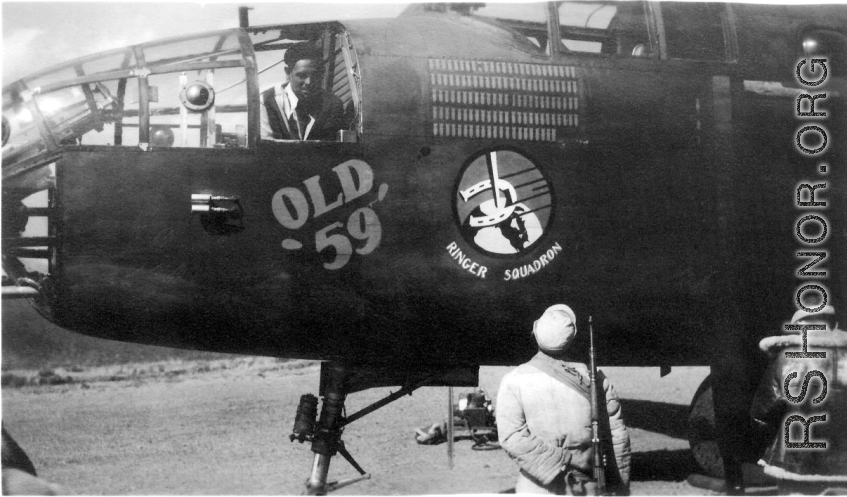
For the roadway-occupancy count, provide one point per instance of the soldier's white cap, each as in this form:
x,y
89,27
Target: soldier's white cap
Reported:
x,y
555,329
823,315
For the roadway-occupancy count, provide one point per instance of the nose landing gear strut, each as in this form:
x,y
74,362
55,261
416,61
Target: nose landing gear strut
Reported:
x,y
337,381
326,441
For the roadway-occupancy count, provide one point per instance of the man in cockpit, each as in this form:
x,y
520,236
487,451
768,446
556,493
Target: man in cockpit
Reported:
x,y
300,109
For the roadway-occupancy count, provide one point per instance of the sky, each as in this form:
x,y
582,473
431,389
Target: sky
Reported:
x,y
38,35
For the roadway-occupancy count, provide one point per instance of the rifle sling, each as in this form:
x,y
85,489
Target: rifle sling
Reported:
x,y
561,372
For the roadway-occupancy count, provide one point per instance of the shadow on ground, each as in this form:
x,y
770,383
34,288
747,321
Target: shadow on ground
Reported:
x,y
662,465
667,419
659,417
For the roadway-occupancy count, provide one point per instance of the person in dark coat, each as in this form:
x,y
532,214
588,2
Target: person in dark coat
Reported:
x,y
300,109
784,396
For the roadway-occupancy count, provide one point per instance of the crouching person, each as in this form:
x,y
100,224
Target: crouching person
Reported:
x,y
793,399
544,417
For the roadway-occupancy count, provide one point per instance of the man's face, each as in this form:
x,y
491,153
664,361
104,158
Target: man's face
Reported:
x,y
304,78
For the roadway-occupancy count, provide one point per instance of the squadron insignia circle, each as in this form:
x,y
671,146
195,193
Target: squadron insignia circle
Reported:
x,y
502,203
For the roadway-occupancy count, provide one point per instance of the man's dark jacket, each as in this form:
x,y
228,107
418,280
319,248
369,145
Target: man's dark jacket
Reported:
x,y
325,107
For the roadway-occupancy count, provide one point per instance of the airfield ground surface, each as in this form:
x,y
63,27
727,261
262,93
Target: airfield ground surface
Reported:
x,y
221,427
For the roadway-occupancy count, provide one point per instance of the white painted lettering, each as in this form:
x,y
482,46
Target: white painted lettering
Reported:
x,y
533,267
290,206
283,214
348,185
465,262
317,195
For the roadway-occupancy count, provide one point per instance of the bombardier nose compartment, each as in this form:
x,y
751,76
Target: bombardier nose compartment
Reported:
x,y
130,97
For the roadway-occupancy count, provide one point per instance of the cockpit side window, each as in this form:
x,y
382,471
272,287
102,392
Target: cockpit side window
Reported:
x,y
197,96
606,28
338,71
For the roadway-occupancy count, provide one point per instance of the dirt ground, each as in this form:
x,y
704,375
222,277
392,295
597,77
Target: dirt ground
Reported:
x,y
226,432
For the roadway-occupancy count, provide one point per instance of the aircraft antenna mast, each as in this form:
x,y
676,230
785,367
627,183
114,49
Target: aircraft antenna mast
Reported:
x,y
243,18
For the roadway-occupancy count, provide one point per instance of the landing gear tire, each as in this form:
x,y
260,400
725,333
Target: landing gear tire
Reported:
x,y
702,433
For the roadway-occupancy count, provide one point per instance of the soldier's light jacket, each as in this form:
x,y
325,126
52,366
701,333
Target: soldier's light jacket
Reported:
x,y
545,427
772,407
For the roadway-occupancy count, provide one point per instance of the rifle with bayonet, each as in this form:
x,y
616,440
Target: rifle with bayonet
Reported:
x,y
599,466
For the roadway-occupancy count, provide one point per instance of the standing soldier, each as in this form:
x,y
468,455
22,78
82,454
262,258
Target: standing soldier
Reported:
x,y
544,416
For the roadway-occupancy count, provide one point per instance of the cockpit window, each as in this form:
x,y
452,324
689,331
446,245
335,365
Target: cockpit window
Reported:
x,y
64,104
80,110
609,28
338,72
21,135
527,19
189,92
526,22
197,94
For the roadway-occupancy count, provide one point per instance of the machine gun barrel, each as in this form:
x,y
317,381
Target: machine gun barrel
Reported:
x,y
599,469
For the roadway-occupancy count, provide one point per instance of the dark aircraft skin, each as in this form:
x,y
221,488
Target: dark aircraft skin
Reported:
x,y
654,193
